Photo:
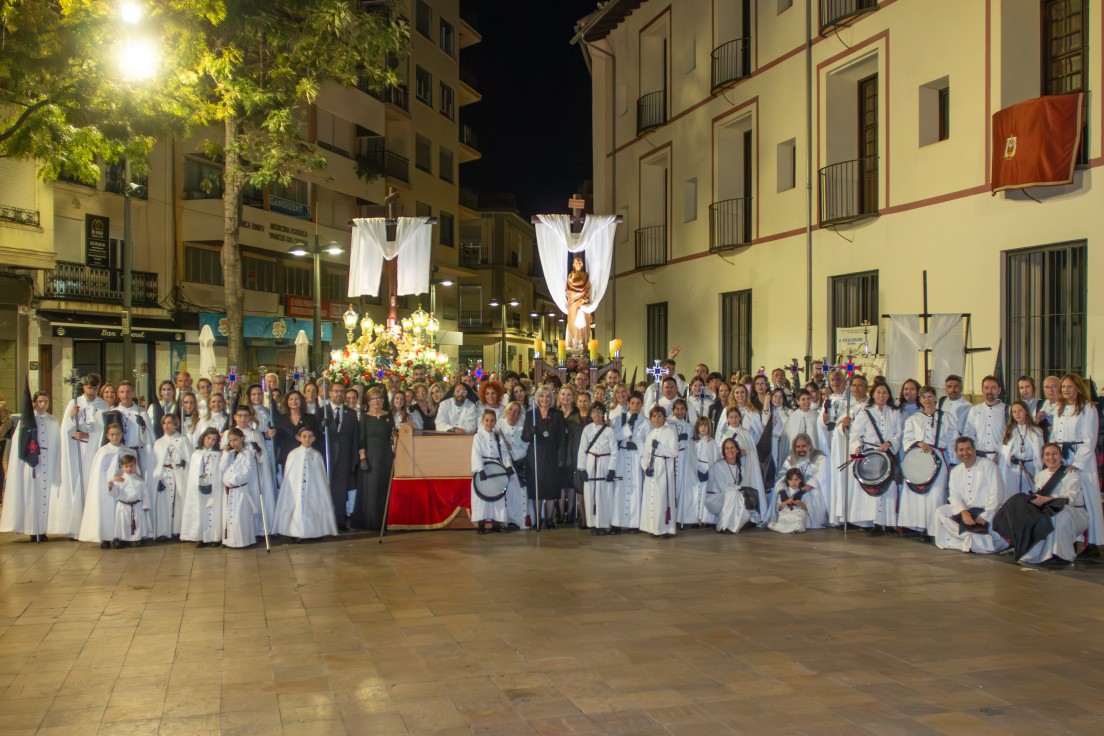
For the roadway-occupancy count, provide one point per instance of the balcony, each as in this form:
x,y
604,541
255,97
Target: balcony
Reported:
x,y
849,191
471,318
469,137
396,166
469,87
651,246
651,111
77,282
731,63
397,96
835,14
729,223
20,216
469,199
474,254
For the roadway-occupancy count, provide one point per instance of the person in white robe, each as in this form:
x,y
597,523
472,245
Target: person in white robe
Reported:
x,y
304,509
1070,523
791,513
676,420
254,441
81,429
749,417
628,486
813,465
201,520
457,414
98,519
844,487
260,402
933,431
242,496
666,396
1076,425
877,427
598,459
736,496
488,447
804,420
1044,410
986,422
703,453
132,504
659,500
28,491
165,405
1021,453
168,479
137,432
775,416
698,399
955,404
214,416
974,494
653,392
519,508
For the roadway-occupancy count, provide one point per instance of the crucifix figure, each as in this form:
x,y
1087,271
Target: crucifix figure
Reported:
x,y
392,266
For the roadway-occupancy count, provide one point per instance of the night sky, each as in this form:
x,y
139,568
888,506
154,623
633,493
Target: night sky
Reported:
x,y
534,120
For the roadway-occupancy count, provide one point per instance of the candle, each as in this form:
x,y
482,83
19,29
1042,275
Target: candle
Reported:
x,y
561,350
615,347
593,345
538,349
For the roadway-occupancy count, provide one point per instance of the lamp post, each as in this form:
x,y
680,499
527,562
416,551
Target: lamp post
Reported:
x,y
315,250
502,303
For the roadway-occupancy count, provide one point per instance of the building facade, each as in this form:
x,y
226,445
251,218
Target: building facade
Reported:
x,y
788,168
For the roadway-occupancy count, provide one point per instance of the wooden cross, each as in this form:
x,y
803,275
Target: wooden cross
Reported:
x,y
577,205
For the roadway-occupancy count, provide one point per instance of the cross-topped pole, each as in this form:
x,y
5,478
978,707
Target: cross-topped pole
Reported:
x,y
656,371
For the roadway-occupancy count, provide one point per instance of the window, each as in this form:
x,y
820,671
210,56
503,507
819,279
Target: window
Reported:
x,y
202,179
423,153
333,133
784,5
202,265
448,228
471,306
854,298
657,332
448,102
1045,297
298,281
690,200
448,38
445,167
787,165
935,111
1063,46
258,275
423,18
421,209
423,85
333,208
290,200
736,331
335,285
944,113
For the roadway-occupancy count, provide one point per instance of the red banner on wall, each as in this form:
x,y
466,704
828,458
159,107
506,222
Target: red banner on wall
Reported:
x,y
303,307
1035,142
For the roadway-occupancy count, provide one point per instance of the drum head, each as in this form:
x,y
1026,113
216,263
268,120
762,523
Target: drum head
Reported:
x,y
873,472
494,488
920,469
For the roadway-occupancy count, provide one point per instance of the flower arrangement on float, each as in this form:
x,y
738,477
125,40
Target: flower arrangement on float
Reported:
x,y
381,353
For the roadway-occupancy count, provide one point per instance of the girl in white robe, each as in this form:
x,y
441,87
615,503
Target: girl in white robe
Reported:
x,y
168,479
132,504
877,427
737,470
190,419
814,471
937,430
1075,426
791,513
266,480
201,521
1021,451
489,447
678,420
1069,523
659,501
241,500
28,491
703,453
83,419
98,519
631,429
304,509
805,420
598,458
774,421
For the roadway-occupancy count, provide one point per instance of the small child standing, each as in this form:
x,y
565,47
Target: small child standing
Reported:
x,y
131,504
201,518
793,514
304,507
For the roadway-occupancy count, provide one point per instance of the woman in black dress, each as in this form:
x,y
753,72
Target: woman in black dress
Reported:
x,y
376,428
288,425
545,433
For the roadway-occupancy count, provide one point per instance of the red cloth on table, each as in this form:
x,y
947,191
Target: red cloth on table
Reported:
x,y
427,503
1035,142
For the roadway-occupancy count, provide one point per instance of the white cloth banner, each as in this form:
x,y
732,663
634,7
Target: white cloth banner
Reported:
x,y
906,341
370,247
555,240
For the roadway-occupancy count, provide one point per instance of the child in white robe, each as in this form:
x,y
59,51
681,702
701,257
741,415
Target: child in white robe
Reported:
x,y
631,431
98,520
703,453
241,501
680,422
519,508
304,508
792,514
30,491
598,458
201,520
266,478
659,501
132,504
168,479
489,447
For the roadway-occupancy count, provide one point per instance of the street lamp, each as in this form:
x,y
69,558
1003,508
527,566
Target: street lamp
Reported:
x,y
316,250
499,303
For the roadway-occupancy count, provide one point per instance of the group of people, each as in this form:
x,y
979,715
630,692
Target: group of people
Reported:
x,y
656,457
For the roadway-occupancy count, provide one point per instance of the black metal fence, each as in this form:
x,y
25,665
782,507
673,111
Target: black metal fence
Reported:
x,y
837,13
849,191
77,282
20,216
731,62
730,223
651,111
651,246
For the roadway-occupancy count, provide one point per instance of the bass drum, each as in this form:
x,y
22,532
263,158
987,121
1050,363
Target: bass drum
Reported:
x,y
494,487
874,472
920,469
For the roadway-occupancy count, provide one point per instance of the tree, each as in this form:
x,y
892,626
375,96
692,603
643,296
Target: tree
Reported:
x,y
264,63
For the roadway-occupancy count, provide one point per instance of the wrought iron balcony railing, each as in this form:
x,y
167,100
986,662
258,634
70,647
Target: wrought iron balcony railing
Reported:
x,y
473,254
651,246
849,191
842,13
651,111
729,223
20,216
468,136
77,282
731,62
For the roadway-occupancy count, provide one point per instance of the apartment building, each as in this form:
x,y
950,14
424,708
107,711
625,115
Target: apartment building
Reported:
x,y
776,156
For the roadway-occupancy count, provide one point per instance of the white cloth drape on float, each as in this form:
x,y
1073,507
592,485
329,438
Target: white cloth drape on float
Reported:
x,y
207,366
906,341
370,247
301,345
555,240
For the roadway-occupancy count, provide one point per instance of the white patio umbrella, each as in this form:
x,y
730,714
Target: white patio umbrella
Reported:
x,y
302,345
207,366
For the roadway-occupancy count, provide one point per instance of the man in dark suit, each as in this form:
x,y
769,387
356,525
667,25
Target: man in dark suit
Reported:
x,y
342,437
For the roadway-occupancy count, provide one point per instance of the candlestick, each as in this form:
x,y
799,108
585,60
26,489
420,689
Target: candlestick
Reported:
x,y
593,345
561,350
538,349
615,347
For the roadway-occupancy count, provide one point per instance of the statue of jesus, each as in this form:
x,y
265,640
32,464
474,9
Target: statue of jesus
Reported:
x,y
578,294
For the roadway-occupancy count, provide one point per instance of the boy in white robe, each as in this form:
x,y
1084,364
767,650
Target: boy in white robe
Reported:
x,y
974,492
629,479
241,500
81,429
488,447
137,434
659,501
98,520
132,504
254,440
678,420
201,521
304,508
29,490
168,479
598,460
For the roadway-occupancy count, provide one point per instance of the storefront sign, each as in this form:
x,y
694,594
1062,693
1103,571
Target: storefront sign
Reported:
x,y
286,206
301,306
97,230
263,328
106,332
